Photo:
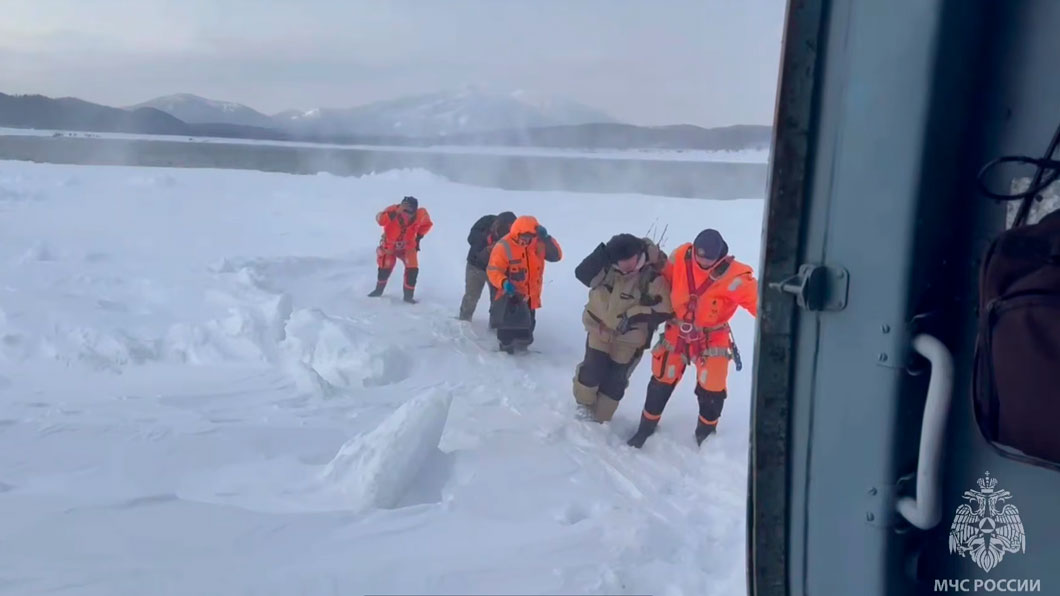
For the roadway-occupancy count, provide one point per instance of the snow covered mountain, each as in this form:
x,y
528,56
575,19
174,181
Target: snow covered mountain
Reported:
x,y
316,122
466,110
471,109
199,110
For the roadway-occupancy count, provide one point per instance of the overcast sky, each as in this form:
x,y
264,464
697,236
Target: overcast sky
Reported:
x,y
706,62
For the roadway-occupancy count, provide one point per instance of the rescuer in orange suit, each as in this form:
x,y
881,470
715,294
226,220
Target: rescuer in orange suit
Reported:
x,y
517,269
404,225
706,287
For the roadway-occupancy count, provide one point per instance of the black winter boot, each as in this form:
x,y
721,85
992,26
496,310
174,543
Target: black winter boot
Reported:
x,y
645,430
704,430
381,278
711,404
410,284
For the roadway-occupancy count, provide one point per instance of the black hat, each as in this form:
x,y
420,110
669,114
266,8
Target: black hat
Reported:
x,y
504,222
411,202
624,246
710,245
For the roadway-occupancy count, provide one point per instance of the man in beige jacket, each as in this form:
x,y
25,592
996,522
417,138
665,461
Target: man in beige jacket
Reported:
x,y
628,299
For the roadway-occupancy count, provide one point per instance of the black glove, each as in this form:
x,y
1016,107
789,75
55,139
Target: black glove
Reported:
x,y
653,320
418,238
392,214
542,233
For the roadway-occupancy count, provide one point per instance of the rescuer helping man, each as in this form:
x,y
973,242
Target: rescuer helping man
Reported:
x,y
706,287
404,225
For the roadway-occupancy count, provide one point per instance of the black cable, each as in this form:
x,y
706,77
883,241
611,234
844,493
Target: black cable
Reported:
x,y
1046,172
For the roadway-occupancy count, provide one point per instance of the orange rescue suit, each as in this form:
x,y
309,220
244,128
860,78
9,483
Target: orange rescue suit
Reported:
x,y
703,301
521,264
400,233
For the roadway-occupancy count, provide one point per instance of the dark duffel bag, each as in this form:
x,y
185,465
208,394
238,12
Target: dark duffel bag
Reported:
x,y
511,313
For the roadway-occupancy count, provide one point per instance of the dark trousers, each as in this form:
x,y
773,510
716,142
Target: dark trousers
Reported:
x,y
606,374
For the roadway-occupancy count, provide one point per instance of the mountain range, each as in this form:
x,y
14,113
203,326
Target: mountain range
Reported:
x,y
462,111
440,114
467,116
70,113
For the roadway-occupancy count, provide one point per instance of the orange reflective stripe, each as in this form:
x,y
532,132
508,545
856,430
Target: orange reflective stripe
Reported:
x,y
651,416
708,422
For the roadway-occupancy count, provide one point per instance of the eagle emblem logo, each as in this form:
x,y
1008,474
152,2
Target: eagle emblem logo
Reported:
x,y
986,528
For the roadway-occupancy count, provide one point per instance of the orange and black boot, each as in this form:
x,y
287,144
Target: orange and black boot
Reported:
x,y
380,284
705,428
410,284
645,430
654,403
711,404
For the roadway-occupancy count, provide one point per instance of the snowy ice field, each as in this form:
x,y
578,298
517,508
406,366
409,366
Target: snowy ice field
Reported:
x,y
197,397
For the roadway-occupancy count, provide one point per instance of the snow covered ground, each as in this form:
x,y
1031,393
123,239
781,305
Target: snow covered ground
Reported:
x,y
197,397
745,156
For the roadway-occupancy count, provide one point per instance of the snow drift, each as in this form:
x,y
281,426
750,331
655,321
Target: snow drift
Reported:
x,y
375,469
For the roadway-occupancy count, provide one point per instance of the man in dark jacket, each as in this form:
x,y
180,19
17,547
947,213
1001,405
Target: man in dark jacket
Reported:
x,y
483,235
